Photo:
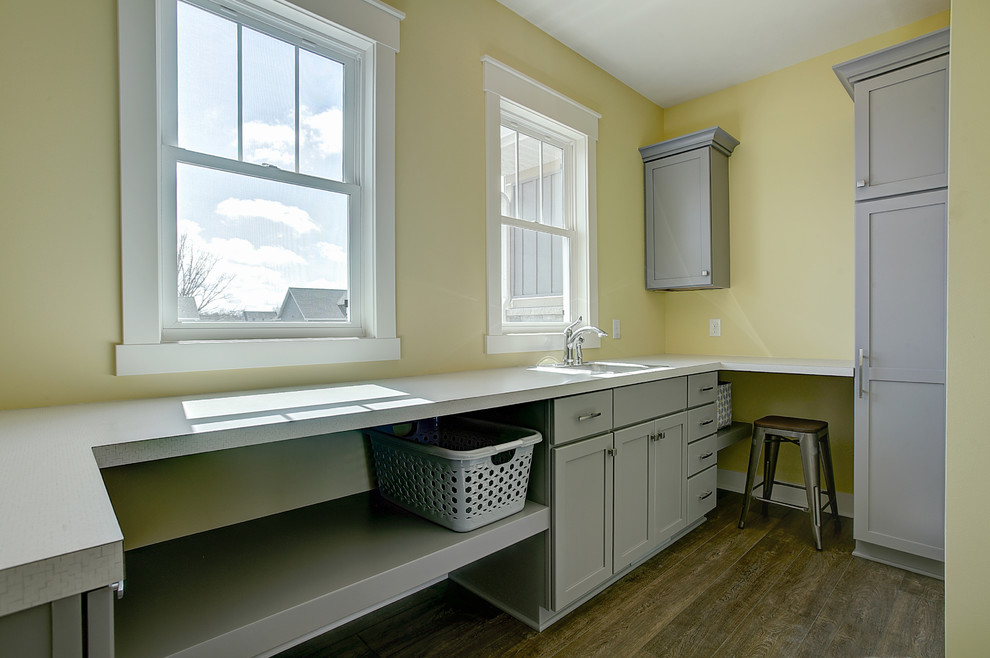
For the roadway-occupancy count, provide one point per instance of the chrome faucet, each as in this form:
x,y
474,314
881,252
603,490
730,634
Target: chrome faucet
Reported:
x,y
573,341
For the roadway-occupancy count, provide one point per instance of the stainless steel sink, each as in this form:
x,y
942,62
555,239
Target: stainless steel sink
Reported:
x,y
599,368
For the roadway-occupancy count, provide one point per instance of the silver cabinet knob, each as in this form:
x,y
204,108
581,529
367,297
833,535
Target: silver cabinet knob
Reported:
x,y
704,272
861,182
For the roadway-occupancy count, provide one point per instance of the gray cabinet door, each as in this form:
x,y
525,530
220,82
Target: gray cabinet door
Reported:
x,y
901,136
582,518
900,382
633,481
678,224
669,483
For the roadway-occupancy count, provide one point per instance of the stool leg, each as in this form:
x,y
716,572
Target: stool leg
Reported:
x,y
825,452
754,459
771,450
812,485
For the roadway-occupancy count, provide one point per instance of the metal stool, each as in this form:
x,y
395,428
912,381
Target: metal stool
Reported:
x,y
812,436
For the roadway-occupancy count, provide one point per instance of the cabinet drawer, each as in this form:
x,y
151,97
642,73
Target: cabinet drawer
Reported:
x,y
701,493
702,388
701,455
701,422
639,402
578,416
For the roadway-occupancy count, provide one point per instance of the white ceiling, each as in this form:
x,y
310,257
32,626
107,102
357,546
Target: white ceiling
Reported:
x,y
674,50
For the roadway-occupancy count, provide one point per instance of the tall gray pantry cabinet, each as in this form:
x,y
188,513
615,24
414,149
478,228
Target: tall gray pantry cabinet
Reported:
x,y
901,173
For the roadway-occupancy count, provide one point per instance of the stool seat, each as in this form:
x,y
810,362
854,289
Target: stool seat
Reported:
x,y
769,433
789,424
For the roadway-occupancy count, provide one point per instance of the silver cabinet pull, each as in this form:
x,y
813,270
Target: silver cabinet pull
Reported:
x,y
707,388
704,272
585,417
707,422
705,495
706,455
612,451
862,356
861,182
118,587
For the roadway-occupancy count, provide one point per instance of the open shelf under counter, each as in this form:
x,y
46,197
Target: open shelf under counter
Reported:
x,y
256,586
730,434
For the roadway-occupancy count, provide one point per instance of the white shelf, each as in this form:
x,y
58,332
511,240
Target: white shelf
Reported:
x,y
252,587
733,433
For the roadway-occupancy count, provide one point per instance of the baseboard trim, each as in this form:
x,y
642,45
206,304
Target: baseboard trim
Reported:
x,y
923,565
736,482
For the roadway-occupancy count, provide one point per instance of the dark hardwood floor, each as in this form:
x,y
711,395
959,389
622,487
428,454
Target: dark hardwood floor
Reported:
x,y
720,591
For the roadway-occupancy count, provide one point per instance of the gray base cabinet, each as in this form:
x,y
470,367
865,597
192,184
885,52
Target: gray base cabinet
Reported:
x,y
582,518
76,626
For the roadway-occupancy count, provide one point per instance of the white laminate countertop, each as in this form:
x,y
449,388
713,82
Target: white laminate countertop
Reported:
x,y
58,532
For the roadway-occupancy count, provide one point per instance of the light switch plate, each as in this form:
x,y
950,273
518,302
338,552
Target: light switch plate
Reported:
x,y
715,327
616,333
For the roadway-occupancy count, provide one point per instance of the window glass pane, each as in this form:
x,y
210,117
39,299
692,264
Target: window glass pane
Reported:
x,y
207,82
529,177
535,285
553,186
321,116
508,141
269,89
257,250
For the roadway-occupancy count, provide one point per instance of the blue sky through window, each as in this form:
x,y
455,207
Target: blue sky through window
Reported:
x,y
266,235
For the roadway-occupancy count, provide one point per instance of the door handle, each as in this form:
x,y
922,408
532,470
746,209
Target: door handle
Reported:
x,y
862,357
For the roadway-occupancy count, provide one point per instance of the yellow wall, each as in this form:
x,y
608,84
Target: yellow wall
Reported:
x,y
791,223
790,208
59,177
967,536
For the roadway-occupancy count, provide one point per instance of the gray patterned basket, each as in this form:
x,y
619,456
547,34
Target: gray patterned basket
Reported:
x,y
458,472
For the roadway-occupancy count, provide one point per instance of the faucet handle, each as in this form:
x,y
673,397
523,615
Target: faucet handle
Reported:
x,y
573,324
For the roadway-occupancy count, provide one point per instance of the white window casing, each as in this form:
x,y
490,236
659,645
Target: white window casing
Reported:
x,y
366,27
514,99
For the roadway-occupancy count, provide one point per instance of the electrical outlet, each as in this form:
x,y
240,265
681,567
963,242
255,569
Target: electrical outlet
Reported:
x,y
715,327
616,333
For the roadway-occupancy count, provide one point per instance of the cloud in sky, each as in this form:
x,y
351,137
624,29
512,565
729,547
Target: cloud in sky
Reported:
x,y
271,144
332,252
325,129
292,216
239,250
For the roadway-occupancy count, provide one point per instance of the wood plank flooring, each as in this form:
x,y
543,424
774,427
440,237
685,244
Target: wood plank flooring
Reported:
x,y
720,591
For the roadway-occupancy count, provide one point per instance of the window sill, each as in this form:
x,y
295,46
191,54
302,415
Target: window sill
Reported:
x,y
510,343
198,356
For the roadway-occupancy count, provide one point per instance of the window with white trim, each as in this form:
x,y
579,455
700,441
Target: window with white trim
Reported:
x,y
540,184
269,148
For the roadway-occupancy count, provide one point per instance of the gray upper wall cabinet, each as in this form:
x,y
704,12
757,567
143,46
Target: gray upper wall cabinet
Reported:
x,y
687,211
901,109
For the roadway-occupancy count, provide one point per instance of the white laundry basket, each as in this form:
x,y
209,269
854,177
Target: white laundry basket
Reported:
x,y
458,472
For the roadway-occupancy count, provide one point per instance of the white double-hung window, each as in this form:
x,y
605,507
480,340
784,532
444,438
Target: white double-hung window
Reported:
x,y
540,150
257,141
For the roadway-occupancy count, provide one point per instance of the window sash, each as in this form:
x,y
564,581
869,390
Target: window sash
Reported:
x,y
172,155
568,298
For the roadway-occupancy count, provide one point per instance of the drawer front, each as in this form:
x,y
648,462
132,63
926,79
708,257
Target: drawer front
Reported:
x,y
702,388
639,402
701,493
578,416
701,455
701,422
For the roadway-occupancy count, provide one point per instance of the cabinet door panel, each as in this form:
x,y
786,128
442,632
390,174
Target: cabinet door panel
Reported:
x,y
678,225
900,403
633,465
901,136
582,518
669,464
